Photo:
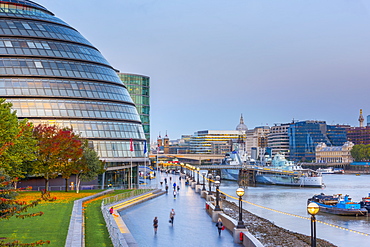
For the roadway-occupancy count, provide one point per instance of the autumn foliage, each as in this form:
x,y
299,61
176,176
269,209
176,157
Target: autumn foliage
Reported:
x,y
59,150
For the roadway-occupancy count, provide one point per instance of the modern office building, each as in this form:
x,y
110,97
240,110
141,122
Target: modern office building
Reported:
x,y
52,74
359,135
213,141
278,139
257,141
305,135
334,154
138,87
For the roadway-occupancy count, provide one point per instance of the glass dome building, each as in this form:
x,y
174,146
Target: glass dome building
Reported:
x,y
52,74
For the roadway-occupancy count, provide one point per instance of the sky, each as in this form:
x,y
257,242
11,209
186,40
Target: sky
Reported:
x,y
209,61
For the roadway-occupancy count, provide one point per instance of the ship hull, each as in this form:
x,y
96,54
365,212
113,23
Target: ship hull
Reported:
x,y
277,179
280,179
343,212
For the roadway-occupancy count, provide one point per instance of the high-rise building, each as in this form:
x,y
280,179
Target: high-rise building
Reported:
x,y
278,139
52,74
305,135
138,87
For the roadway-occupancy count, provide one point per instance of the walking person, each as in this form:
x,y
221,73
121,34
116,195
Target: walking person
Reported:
x,y
166,189
172,216
174,194
111,210
155,225
174,186
219,226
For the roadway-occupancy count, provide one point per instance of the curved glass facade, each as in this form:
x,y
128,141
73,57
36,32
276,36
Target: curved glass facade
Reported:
x,y
53,75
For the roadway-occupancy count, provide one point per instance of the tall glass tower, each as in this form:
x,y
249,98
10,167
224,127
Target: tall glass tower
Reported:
x,y
138,88
53,75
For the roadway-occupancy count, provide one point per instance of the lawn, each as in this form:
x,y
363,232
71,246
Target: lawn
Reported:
x,y
96,233
53,224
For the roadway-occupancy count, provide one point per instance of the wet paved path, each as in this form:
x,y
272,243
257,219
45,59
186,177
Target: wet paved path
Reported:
x,y
192,225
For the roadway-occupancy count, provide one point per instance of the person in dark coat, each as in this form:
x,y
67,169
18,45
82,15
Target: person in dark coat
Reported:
x,y
155,225
219,226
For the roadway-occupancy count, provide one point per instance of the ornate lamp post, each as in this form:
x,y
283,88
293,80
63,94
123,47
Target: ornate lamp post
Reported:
x,y
313,209
217,183
209,183
204,182
198,175
240,193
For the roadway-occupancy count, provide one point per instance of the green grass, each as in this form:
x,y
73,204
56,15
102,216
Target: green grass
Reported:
x,y
96,233
53,224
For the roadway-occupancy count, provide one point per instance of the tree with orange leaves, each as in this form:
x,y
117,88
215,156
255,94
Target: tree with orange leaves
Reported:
x,y
59,150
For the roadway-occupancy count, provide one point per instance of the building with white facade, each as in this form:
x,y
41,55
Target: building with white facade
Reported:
x,y
334,154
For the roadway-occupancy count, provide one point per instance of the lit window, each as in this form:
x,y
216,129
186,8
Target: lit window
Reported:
x,y
8,44
38,65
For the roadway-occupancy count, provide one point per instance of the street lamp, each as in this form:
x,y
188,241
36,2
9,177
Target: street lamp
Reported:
x,y
198,175
240,193
313,209
217,183
209,183
204,182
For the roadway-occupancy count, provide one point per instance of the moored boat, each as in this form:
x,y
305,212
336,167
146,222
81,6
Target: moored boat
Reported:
x,y
365,203
280,172
338,171
338,205
325,170
284,172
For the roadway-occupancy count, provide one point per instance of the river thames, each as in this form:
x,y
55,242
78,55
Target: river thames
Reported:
x,y
293,200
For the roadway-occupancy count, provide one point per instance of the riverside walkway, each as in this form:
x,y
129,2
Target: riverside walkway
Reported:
x,y
192,225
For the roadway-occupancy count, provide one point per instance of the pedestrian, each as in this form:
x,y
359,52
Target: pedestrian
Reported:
x,y
155,225
174,186
178,188
219,226
166,189
172,216
170,179
111,210
174,194
180,178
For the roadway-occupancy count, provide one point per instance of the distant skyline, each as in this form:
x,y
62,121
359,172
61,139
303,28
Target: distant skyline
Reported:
x,y
210,61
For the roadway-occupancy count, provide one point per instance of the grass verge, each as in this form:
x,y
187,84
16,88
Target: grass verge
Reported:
x,y
96,233
52,225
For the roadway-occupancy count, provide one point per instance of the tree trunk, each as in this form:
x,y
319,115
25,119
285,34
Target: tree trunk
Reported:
x,y
15,183
78,181
46,184
66,184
